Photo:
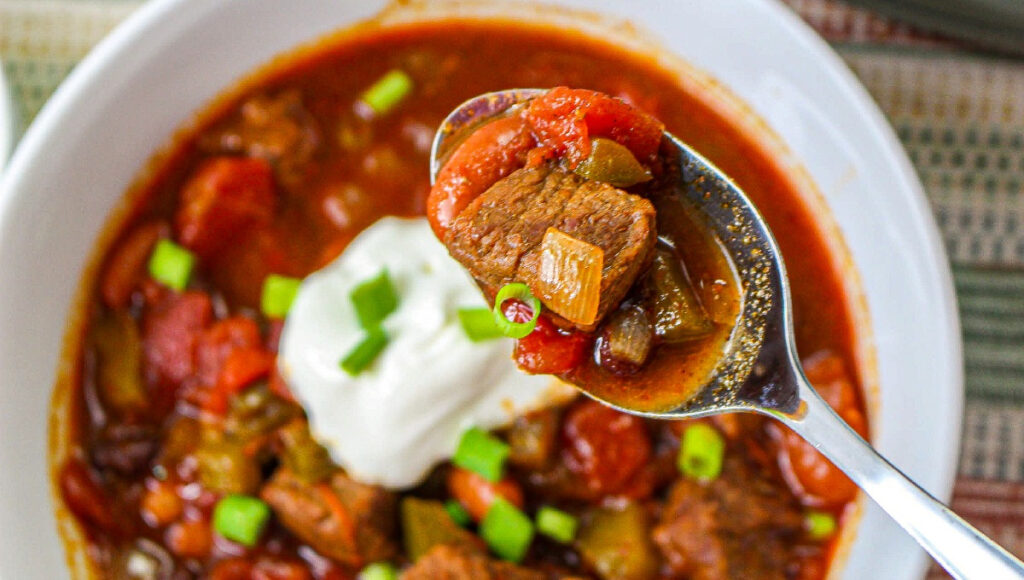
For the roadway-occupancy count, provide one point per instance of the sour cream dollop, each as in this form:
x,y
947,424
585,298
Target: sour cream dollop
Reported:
x,y
393,422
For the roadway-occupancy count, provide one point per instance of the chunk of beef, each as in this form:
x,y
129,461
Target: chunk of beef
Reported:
x,y
498,236
277,129
342,519
453,563
743,524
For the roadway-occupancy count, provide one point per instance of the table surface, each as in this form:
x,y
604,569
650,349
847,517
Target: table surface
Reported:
x,y
959,112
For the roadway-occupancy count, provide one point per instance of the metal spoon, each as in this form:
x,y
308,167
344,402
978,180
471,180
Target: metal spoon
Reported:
x,y
759,371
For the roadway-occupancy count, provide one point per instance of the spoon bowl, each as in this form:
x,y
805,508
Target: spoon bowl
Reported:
x,y
759,370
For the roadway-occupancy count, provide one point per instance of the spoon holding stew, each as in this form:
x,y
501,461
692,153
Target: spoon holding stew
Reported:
x,y
757,370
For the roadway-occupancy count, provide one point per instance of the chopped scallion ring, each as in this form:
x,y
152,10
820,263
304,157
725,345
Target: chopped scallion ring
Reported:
x,y
378,571
701,452
478,323
521,292
458,513
820,525
363,354
481,453
556,524
241,518
278,294
507,530
387,92
171,264
374,299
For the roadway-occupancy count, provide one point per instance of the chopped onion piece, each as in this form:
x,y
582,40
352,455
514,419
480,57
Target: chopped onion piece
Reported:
x,y
570,277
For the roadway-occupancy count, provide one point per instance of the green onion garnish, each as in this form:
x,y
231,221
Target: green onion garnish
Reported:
x,y
374,299
278,294
478,323
378,571
521,292
481,453
507,530
556,524
171,264
387,92
241,518
701,452
364,353
820,525
458,513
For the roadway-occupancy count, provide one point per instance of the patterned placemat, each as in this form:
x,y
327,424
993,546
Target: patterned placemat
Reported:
x,y
958,111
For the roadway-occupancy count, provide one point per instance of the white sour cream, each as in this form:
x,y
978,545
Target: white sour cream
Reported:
x,y
392,423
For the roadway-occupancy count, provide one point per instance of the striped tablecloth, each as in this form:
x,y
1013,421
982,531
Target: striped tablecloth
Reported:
x,y
960,115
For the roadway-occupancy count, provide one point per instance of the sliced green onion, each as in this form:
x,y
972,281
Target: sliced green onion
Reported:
x,y
379,571
478,323
241,518
481,453
374,299
278,294
171,264
701,452
387,92
363,354
507,531
521,292
458,513
556,524
820,525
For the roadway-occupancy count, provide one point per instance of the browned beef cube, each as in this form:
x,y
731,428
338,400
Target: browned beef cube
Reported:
x,y
498,236
363,533
452,563
741,525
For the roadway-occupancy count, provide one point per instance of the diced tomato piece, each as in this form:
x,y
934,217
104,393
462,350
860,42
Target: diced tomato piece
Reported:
x,y
811,476
220,340
550,351
127,264
565,120
231,355
476,494
280,569
170,331
604,447
222,197
489,154
242,367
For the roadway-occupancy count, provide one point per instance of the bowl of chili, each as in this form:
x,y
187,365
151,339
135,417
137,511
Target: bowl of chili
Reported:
x,y
775,81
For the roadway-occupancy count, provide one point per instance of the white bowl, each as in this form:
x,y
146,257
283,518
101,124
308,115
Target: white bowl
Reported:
x,y
128,97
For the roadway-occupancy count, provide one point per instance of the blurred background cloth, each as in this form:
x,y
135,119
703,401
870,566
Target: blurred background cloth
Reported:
x,y
958,108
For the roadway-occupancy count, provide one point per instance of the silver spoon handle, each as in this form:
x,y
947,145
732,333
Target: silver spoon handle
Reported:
x,y
960,548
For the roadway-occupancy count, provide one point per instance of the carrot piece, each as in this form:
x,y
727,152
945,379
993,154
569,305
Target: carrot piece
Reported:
x,y
476,494
340,513
489,154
